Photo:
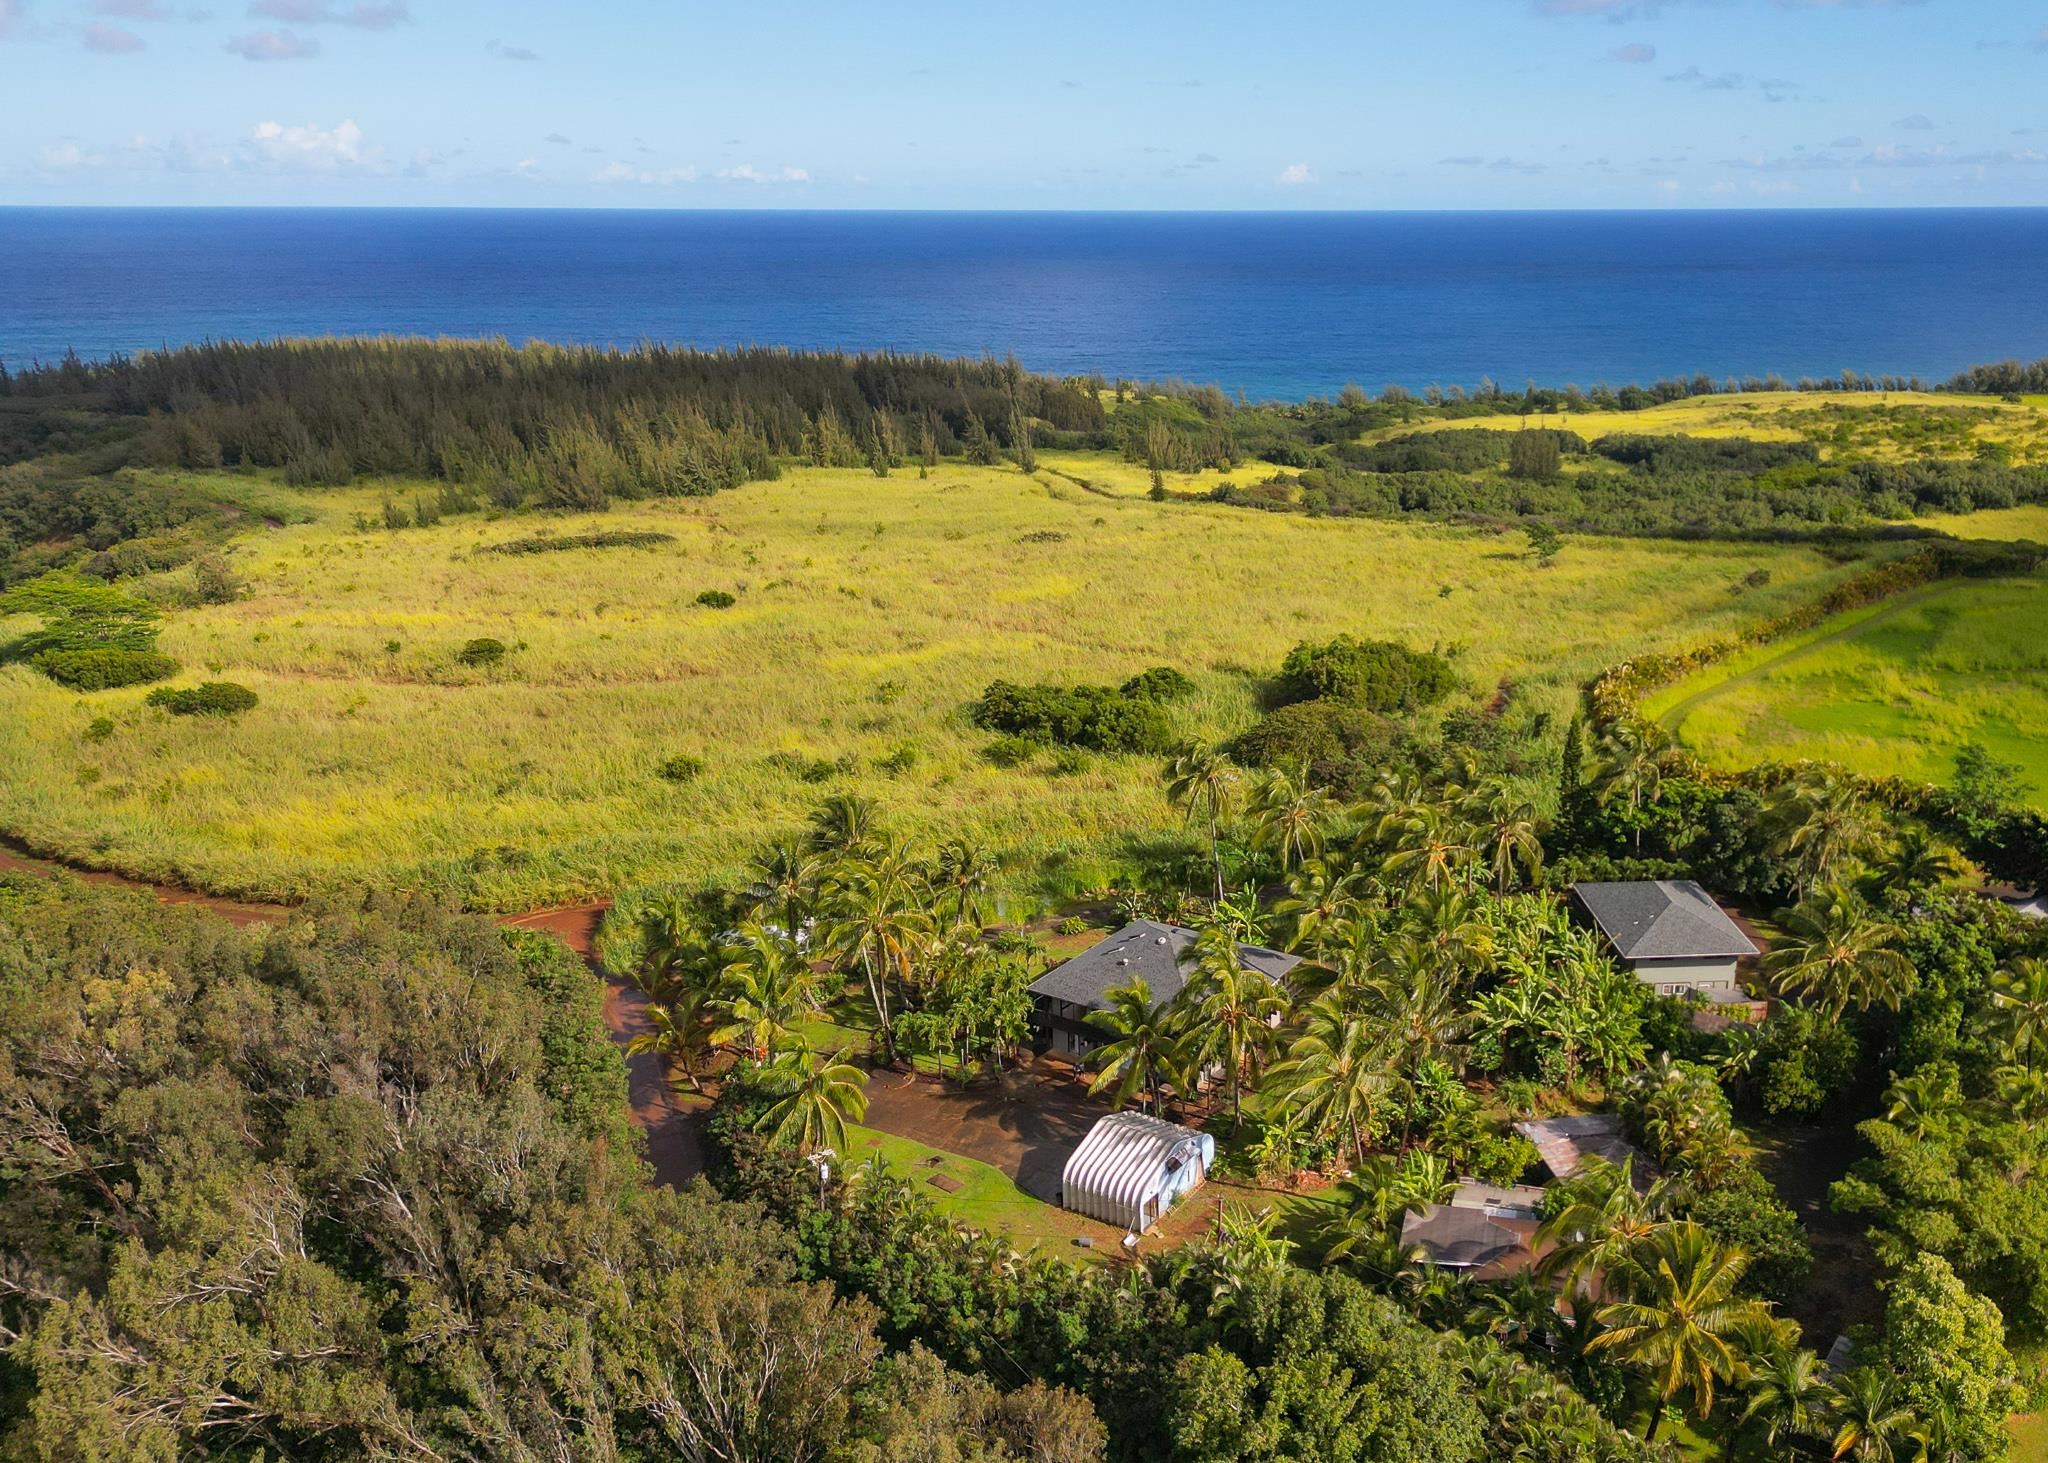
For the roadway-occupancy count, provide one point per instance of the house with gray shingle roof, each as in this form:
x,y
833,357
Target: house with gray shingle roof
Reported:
x,y
1142,950
1671,933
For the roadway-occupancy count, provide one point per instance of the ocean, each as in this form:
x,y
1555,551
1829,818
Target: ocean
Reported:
x,y
1279,305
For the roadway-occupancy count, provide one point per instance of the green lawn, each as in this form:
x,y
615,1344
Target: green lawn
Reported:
x,y
1892,689
2029,1438
988,1199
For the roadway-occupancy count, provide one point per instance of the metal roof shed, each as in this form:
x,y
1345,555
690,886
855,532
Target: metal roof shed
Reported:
x,y
1130,1167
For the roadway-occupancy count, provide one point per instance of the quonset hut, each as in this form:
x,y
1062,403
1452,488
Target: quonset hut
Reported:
x,y
1131,1167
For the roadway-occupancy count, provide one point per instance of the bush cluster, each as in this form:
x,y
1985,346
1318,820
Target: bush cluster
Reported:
x,y
1162,683
103,668
1379,675
1100,718
481,651
208,698
617,538
716,599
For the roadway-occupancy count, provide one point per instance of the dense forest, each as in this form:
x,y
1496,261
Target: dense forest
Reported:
x,y
363,1187
574,428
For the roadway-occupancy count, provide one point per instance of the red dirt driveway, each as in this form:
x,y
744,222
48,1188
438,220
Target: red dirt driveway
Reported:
x,y
673,1123
1027,1125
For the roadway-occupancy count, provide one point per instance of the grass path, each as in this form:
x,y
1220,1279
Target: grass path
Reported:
x,y
1847,626
1896,688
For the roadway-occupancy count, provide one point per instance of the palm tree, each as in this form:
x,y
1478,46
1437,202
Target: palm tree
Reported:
x,y
1414,997
1335,1076
963,873
1632,769
1318,898
1917,860
1925,1100
788,878
1840,952
1507,833
1870,1422
2019,992
1375,1201
1681,1315
1287,816
1826,822
1428,849
1604,1222
1141,1053
768,987
676,952
1517,1312
1232,1010
845,825
1199,781
1788,1396
878,920
814,1100
678,1031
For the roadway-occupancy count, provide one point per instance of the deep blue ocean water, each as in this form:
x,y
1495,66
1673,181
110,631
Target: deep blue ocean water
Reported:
x,y
1282,305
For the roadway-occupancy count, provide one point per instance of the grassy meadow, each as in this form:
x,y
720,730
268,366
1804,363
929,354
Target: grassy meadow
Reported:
x,y
1887,426
1894,688
869,614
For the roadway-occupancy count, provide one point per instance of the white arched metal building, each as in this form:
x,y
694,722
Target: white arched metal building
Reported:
x,y
1130,1167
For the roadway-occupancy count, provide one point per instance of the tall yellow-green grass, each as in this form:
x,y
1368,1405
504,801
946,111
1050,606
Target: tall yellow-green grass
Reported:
x,y
869,614
1884,426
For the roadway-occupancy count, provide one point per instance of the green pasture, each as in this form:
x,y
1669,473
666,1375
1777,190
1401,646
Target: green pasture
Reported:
x,y
1895,688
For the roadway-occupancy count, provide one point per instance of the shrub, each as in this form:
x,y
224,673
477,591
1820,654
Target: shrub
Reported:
x,y
1010,751
209,698
899,761
1073,924
1095,717
1162,683
1534,457
716,599
99,729
1316,734
617,538
804,769
214,583
103,668
680,768
1379,675
481,652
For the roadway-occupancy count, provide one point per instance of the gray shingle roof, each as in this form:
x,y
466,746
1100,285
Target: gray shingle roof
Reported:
x,y
1147,950
1670,919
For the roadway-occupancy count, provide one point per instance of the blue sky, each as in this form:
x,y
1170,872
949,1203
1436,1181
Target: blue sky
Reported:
x,y
1370,104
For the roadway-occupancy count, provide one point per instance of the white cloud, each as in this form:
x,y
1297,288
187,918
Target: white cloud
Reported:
x,y
1635,54
748,173
364,15
69,156
111,40
512,53
308,148
130,9
1918,122
617,172
1294,175
11,14
273,45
